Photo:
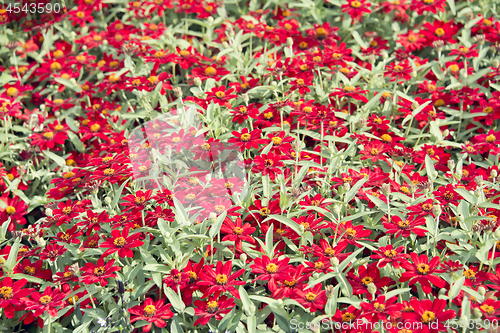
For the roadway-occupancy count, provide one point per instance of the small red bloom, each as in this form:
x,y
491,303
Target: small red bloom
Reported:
x,y
153,312
99,273
313,299
122,243
12,295
421,270
214,307
48,301
221,280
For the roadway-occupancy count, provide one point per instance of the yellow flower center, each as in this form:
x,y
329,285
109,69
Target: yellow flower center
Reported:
x,y
205,146
73,300
488,308
120,242
245,137
238,231
99,271
158,54
149,311
366,280
220,94
404,224
109,172
80,14
277,141
423,268
347,317
271,268
390,253
10,210
210,71
221,279
379,307
439,32
311,296
48,135
29,270
428,317
374,151
55,67
6,293
12,92
386,138
219,209
490,138
95,128
212,307
45,299
355,4
488,109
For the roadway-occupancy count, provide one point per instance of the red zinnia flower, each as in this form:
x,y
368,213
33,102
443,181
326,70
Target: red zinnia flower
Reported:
x,y
268,164
402,70
356,8
12,294
214,307
152,312
48,301
399,227
430,314
221,280
390,255
247,140
421,270
122,243
271,270
237,232
313,298
99,273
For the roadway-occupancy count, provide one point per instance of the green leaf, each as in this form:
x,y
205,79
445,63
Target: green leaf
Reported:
x,y
12,258
451,3
286,221
269,239
352,192
56,158
456,287
429,167
214,230
358,39
247,303
118,194
76,141
467,195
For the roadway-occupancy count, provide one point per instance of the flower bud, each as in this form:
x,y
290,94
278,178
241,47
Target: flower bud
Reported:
x,y
48,212
347,186
451,164
480,39
315,328
438,45
243,257
460,218
463,73
386,189
436,210
167,234
197,81
334,261
497,233
372,59
372,288
329,290
479,180
280,302
477,192
384,55
107,200
178,92
336,209
302,229
481,290
442,291
297,145
105,42
245,97
229,31
446,132
57,113
40,241
478,313
225,45
495,63
274,84
289,41
252,309
75,269
315,275
493,173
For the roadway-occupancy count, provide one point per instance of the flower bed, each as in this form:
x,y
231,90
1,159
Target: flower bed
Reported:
x,y
282,166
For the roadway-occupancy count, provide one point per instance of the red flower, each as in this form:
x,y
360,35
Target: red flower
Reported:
x,y
402,71
136,202
389,255
439,30
52,252
411,41
380,309
221,96
268,164
356,8
446,194
242,113
366,275
313,298
350,91
281,142
237,233
421,6
92,273
15,210
466,52
210,72
421,270
221,280
152,312
214,307
48,301
399,227
350,234
12,295
247,140
271,270
121,243
429,313
374,151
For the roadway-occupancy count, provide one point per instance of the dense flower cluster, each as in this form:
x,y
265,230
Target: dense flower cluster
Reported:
x,y
192,165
